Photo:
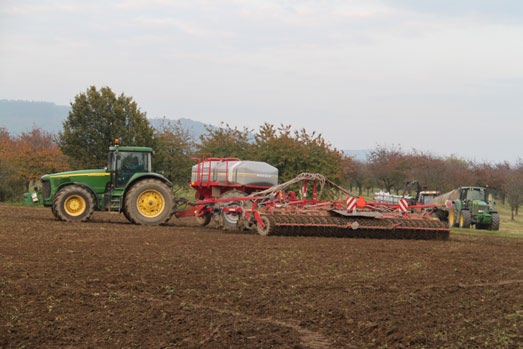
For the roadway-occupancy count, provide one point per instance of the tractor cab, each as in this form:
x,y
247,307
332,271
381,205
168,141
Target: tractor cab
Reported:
x,y
469,194
125,162
427,196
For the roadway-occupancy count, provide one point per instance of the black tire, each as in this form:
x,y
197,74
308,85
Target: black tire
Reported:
x,y
204,220
53,211
494,225
73,204
125,213
149,202
230,220
465,218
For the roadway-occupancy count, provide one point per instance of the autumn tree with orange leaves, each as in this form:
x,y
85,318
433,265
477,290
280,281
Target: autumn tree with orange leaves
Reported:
x,y
27,157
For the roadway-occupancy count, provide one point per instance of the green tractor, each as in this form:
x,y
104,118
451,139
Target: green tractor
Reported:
x,y
468,206
127,185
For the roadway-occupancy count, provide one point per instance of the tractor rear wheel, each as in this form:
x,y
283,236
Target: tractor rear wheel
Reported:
x,y
149,202
125,213
73,204
494,225
465,219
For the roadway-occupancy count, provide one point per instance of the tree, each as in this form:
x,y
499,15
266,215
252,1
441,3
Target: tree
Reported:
x,y
458,173
96,119
319,156
389,165
10,182
356,174
493,176
174,151
26,158
513,186
39,154
296,152
226,142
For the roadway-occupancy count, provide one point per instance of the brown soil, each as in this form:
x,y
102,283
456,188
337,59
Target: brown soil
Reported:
x,y
108,283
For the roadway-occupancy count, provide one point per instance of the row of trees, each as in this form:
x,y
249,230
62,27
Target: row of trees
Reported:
x,y
393,168
25,158
97,117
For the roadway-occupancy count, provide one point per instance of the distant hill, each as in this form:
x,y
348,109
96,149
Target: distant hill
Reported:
x,y
21,116
194,128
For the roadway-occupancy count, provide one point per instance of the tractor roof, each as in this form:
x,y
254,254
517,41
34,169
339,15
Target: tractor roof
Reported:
x,y
132,148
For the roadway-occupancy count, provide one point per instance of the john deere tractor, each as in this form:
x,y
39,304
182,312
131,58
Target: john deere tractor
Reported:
x,y
468,206
127,185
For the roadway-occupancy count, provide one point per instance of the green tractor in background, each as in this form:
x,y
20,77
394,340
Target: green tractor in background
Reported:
x,y
127,185
468,206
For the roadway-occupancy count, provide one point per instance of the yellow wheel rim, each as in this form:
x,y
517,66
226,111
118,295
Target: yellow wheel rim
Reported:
x,y
75,205
150,203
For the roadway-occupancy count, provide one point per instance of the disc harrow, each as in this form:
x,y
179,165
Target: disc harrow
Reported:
x,y
355,227
325,211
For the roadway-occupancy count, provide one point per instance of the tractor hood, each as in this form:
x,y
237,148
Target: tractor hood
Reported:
x,y
481,206
72,174
96,180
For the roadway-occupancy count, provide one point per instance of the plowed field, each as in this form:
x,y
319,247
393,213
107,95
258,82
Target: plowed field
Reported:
x,y
111,284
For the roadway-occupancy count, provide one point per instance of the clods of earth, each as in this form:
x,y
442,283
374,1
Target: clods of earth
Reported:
x,y
108,283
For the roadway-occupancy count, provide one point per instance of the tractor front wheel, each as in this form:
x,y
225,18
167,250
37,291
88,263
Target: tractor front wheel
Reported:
x,y
149,202
73,204
452,218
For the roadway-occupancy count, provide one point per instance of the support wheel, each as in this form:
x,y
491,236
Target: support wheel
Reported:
x,y
266,226
204,220
229,213
149,202
73,204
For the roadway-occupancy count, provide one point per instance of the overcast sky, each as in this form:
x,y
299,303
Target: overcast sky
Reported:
x,y
439,76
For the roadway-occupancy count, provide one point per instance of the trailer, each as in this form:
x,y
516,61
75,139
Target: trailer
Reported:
x,y
221,184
